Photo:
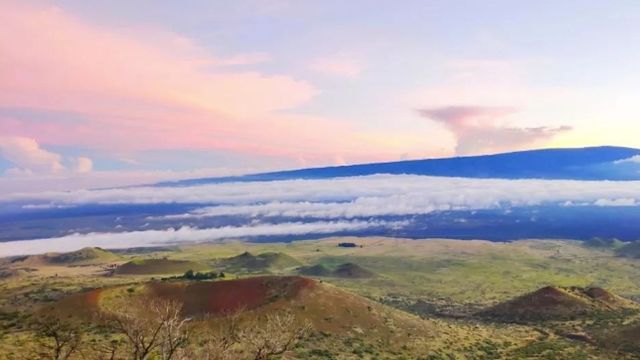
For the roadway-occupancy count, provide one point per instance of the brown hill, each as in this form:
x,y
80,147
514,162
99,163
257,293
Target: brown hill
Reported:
x,y
346,271
340,319
557,303
158,266
626,339
266,262
222,297
315,270
84,256
327,307
352,271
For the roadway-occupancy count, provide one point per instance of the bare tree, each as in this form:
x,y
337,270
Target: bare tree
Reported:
x,y
217,341
150,326
57,339
155,328
273,334
106,349
174,331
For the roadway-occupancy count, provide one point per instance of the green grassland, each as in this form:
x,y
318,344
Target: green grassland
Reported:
x,y
442,281
158,266
461,271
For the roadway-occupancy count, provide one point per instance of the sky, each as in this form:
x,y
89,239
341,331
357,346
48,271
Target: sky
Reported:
x,y
107,93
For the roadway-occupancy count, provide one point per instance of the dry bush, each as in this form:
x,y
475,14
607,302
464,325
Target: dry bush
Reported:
x,y
274,334
56,339
155,328
218,338
241,336
151,327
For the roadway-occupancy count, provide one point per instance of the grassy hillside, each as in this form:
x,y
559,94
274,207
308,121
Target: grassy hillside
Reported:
x,y
84,256
444,282
158,266
345,270
314,270
265,262
556,303
344,324
352,271
629,250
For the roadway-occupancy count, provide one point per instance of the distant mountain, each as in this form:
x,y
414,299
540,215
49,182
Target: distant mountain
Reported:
x,y
265,262
558,303
84,256
593,163
346,270
352,271
158,266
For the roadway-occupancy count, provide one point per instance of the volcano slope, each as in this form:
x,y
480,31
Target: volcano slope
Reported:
x,y
83,257
158,266
262,263
345,271
344,324
553,303
449,277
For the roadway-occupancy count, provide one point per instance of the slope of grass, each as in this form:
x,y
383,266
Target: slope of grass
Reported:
x,y
265,262
158,266
629,250
443,276
555,303
344,270
85,256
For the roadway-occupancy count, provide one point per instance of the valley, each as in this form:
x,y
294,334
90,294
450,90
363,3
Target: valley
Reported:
x,y
375,298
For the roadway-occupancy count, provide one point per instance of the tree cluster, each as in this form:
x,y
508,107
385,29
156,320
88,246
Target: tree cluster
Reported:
x,y
190,275
347,245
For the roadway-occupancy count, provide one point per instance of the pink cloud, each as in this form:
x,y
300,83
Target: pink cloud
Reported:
x,y
68,61
82,164
245,59
478,129
142,89
339,65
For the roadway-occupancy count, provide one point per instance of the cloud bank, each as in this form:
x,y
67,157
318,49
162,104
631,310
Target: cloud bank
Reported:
x,y
177,236
351,196
320,206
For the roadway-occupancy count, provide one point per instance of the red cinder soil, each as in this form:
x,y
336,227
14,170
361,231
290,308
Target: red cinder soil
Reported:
x,y
600,294
228,296
92,298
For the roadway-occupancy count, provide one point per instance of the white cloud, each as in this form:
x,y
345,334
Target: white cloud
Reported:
x,y
365,194
31,159
349,197
74,181
334,205
616,202
28,157
177,236
633,160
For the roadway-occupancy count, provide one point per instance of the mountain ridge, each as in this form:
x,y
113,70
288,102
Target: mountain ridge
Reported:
x,y
588,163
